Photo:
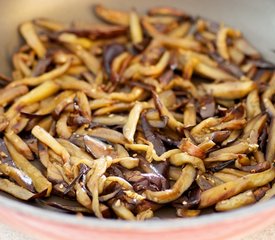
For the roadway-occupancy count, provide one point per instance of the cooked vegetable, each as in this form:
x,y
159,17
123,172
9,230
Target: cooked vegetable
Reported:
x,y
155,110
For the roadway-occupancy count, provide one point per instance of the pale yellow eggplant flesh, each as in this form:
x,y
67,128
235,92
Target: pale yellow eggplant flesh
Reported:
x,y
232,188
40,183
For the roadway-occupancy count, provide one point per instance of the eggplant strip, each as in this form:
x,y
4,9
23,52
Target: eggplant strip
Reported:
x,y
172,122
148,70
240,200
222,40
17,191
28,32
100,167
9,94
47,139
83,103
267,95
20,145
242,147
129,128
135,28
35,95
181,43
112,16
189,115
49,24
18,176
146,148
90,61
222,157
229,189
253,104
84,200
182,184
71,83
119,180
127,162
269,194
135,93
34,81
230,90
122,212
150,136
39,93
40,183
114,108
110,120
108,134
73,150
270,152
184,158
62,129
212,72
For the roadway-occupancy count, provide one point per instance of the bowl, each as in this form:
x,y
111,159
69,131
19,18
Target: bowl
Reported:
x,y
254,18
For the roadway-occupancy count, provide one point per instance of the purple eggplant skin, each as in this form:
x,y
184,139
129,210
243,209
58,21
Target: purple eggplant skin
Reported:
x,y
41,66
110,52
151,137
227,66
207,106
5,157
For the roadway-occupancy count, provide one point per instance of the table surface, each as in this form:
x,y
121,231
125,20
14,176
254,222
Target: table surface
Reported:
x,y
7,233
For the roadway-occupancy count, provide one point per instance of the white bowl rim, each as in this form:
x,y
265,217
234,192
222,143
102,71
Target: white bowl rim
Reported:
x,y
114,224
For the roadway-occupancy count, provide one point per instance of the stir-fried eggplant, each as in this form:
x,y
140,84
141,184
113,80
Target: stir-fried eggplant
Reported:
x,y
157,110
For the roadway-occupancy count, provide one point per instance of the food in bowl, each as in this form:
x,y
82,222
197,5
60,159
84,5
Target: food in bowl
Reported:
x,y
148,112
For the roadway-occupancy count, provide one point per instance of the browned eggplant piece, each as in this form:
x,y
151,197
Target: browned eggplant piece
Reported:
x,y
150,136
109,53
190,200
172,122
4,123
219,166
230,90
145,181
158,168
18,176
207,106
220,136
5,156
96,31
260,192
270,151
229,189
260,167
66,208
41,66
98,148
19,192
187,146
177,190
83,170
242,45
227,66
107,134
112,16
260,63
168,11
